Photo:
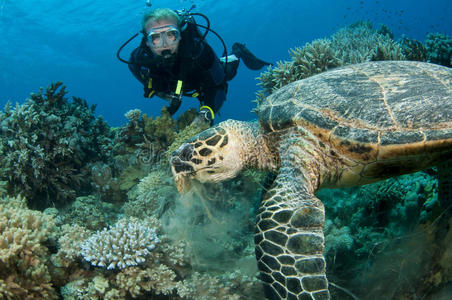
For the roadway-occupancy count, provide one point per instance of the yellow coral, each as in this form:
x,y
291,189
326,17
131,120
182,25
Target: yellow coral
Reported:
x,y
23,256
205,287
72,236
159,279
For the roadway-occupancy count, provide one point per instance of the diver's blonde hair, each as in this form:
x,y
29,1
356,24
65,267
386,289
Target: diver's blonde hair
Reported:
x,y
158,15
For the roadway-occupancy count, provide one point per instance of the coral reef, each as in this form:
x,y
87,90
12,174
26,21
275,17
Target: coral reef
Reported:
x,y
69,244
141,146
360,42
24,256
387,233
439,48
125,244
388,239
152,196
413,49
46,144
355,43
89,212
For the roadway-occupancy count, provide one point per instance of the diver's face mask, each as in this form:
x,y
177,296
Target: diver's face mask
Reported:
x,y
163,40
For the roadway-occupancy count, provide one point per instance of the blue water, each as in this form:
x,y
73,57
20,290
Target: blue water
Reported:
x,y
76,42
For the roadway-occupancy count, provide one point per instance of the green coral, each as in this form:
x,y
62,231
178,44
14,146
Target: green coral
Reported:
x,y
46,144
368,229
439,48
153,195
412,49
356,43
360,42
90,212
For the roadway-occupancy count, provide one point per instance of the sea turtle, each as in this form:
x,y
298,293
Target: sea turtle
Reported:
x,y
346,127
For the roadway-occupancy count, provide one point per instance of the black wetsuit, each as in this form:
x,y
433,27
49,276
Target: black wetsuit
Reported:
x,y
195,64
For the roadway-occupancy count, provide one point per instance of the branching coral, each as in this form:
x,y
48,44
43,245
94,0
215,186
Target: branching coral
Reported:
x,y
356,43
46,144
125,244
360,42
314,58
205,287
413,49
160,280
24,272
89,212
69,243
367,225
439,49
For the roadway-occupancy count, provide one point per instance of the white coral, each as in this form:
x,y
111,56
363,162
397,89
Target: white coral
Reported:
x,y
125,244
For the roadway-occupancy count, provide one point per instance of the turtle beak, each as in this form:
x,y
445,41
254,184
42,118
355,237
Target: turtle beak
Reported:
x,y
182,168
183,183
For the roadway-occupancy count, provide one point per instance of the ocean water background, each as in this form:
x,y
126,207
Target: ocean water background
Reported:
x,y
76,42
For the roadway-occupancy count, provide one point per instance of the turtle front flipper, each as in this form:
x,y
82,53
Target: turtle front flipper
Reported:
x,y
289,234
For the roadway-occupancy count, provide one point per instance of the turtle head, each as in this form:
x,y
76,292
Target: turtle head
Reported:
x,y
213,155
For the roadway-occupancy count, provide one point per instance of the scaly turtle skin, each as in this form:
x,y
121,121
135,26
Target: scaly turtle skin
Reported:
x,y
346,127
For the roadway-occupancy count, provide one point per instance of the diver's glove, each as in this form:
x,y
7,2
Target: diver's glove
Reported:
x,y
205,116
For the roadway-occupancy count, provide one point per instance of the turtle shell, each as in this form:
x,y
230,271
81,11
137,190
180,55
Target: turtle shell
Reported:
x,y
365,108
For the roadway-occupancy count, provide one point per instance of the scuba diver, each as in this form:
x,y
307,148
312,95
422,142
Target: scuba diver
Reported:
x,y
174,60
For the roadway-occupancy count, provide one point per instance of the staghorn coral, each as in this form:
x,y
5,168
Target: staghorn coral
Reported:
x,y
46,144
24,257
125,244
